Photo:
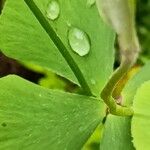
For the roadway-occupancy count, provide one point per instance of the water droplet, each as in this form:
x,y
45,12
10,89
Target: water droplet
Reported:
x,y
53,10
93,81
68,23
79,41
90,3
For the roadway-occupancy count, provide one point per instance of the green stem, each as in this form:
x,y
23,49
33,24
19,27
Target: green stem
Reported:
x,y
128,60
59,44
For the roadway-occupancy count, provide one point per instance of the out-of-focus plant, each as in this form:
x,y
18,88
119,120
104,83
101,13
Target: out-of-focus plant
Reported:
x,y
143,26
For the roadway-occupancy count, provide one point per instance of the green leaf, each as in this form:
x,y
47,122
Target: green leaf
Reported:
x,y
94,141
24,39
117,131
140,121
33,117
131,88
116,134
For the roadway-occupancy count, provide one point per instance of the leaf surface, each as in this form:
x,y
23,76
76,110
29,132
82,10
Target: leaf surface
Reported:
x,y
24,39
140,121
33,117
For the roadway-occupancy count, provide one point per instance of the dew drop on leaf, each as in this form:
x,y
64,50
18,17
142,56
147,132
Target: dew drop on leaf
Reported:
x,y
53,10
79,41
68,23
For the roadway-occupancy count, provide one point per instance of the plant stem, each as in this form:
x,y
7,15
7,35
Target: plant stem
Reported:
x,y
127,61
59,44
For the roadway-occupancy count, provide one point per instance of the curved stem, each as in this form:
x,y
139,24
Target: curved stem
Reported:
x,y
127,61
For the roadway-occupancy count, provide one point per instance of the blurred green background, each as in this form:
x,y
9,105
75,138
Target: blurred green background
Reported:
x,y
143,28
50,80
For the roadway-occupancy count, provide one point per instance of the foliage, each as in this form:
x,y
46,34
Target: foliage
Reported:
x,y
34,117
120,127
